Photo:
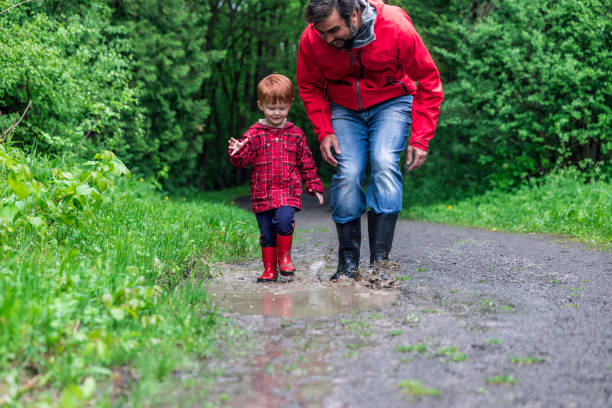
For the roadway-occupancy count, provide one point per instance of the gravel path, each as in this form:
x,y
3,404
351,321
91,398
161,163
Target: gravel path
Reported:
x,y
477,319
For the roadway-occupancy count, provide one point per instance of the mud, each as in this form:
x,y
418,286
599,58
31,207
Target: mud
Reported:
x,y
474,318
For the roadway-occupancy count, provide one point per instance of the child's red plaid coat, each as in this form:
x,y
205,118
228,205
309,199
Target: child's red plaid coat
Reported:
x,y
281,161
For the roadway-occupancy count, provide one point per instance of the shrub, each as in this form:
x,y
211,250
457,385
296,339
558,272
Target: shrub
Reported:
x,y
533,90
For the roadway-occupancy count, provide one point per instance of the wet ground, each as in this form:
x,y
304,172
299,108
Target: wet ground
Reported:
x,y
474,319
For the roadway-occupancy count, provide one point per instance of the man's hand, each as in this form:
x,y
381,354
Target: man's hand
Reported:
x,y
418,155
236,145
327,144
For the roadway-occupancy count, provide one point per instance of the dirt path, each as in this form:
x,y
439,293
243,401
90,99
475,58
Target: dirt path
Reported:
x,y
478,319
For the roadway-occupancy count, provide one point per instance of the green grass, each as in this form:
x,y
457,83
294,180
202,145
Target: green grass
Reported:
x,y
358,327
501,379
557,204
452,353
525,360
226,196
417,389
419,348
121,291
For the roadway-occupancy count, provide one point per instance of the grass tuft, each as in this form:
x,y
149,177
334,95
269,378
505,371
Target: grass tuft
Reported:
x,y
557,204
417,389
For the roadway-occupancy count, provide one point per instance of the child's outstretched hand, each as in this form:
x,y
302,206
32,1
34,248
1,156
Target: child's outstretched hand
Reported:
x,y
318,195
236,145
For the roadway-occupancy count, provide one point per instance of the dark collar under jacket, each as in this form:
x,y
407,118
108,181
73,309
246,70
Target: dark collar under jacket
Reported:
x,y
365,35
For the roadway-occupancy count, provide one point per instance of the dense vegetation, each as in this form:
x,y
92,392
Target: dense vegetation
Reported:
x,y
529,92
103,104
164,84
99,271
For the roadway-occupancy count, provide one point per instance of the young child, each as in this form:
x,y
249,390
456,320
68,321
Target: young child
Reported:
x,y
281,161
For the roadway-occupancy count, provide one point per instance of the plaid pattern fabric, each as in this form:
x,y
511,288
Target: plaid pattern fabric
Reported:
x,y
281,161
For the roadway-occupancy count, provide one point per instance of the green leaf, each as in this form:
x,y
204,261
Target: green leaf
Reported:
x,y
84,190
37,222
76,203
88,387
8,212
118,314
20,189
71,397
68,220
107,299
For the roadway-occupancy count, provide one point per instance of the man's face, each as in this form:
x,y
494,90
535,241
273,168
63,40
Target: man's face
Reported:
x,y
334,30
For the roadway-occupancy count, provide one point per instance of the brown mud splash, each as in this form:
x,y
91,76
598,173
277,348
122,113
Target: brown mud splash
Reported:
x,y
307,295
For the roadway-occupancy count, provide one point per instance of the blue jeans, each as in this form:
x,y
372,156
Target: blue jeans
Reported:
x,y
279,220
376,135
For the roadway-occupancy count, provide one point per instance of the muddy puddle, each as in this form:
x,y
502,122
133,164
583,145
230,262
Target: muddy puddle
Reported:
x,y
235,290
278,300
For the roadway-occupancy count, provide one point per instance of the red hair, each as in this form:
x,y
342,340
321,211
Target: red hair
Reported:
x,y
275,88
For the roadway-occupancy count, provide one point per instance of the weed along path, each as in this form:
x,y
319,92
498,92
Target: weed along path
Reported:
x,y
474,319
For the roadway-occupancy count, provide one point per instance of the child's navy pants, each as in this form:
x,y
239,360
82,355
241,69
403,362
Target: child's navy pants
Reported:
x,y
278,220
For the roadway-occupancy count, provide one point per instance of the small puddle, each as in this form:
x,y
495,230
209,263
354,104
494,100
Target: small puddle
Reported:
x,y
296,300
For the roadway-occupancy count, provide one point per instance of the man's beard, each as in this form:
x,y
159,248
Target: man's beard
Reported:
x,y
348,44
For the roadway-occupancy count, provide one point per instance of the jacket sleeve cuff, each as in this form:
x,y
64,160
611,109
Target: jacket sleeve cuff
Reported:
x,y
420,144
324,134
314,186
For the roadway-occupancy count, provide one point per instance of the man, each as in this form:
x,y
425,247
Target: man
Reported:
x,y
357,67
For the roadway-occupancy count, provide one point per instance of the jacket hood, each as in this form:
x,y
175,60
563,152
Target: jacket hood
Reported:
x,y
366,34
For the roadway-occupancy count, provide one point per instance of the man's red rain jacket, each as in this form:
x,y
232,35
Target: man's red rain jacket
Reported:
x,y
359,78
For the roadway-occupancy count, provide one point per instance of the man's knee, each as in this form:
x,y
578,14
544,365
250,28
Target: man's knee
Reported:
x,y
384,162
349,173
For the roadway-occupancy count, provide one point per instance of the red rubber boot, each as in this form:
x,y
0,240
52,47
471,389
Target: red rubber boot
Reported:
x,y
268,254
284,255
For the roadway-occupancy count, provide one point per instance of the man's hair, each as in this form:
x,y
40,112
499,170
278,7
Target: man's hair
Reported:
x,y
275,88
319,10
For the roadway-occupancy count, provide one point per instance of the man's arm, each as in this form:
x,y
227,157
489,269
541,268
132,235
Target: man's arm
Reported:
x,y
419,65
311,84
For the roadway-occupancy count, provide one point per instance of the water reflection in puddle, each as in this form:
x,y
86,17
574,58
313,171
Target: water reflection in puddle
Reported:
x,y
298,301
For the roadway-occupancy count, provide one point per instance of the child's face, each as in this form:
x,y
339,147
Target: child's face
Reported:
x,y
275,113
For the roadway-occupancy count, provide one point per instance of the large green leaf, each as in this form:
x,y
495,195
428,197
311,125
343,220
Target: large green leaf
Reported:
x,y
19,188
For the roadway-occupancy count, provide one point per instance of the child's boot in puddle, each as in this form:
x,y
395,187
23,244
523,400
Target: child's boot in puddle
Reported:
x,y
285,264
269,257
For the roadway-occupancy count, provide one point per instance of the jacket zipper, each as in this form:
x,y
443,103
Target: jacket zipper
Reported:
x,y
280,160
392,82
361,75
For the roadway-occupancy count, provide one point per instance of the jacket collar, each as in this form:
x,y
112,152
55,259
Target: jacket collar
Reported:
x,y
365,35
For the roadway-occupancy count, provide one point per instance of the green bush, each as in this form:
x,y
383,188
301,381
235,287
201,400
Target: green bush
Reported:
x,y
533,91
66,60
34,199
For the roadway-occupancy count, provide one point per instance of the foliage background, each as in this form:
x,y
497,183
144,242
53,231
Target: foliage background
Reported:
x,y
164,84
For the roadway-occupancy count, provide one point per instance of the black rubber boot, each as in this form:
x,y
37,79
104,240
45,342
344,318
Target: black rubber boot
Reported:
x,y
349,243
380,233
